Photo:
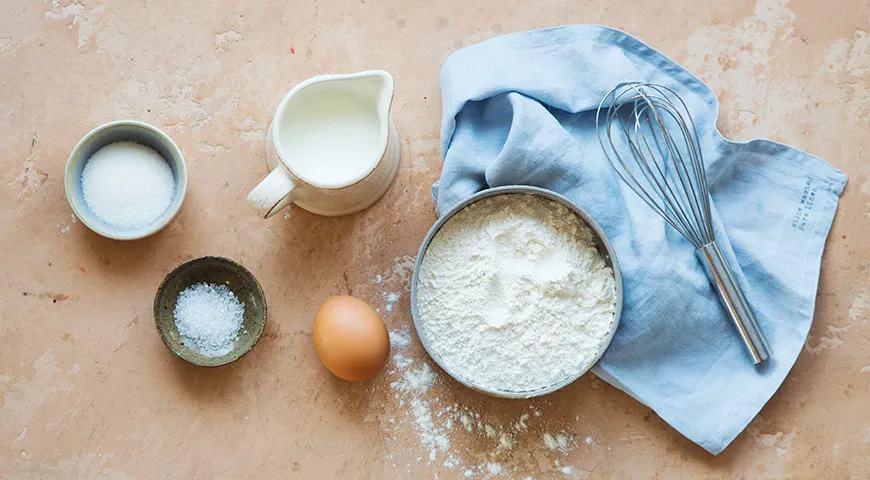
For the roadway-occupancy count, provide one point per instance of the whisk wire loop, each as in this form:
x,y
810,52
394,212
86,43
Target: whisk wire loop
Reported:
x,y
666,172
651,141
619,165
670,162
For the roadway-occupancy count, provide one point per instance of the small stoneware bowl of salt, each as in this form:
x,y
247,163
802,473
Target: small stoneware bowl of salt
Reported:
x,y
125,180
210,311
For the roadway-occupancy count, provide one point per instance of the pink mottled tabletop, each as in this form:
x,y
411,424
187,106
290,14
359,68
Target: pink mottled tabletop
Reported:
x,y
88,390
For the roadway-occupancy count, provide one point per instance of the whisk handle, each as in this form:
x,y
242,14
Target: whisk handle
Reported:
x,y
734,301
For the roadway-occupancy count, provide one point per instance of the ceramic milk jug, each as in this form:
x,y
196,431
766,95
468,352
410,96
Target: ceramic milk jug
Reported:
x,y
332,147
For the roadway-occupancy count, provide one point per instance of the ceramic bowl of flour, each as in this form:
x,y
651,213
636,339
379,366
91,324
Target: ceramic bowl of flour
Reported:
x,y
516,292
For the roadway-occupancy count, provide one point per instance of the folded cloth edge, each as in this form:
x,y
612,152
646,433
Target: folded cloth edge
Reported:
x,y
662,61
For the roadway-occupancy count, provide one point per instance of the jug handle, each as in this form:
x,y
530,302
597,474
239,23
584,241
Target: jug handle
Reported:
x,y
273,193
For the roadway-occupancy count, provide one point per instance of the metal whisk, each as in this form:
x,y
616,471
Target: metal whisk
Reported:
x,y
650,140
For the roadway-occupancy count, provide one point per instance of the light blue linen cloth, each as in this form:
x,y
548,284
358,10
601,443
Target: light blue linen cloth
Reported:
x,y
520,109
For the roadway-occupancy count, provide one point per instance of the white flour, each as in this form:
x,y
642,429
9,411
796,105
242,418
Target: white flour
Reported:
x,y
513,294
400,338
469,441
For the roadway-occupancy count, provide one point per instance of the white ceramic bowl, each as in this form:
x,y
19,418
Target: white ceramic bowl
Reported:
x,y
123,130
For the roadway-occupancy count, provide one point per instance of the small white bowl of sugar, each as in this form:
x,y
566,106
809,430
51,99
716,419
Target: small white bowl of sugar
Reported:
x,y
126,180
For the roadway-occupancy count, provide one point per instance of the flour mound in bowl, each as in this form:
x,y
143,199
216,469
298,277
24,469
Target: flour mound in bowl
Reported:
x,y
513,295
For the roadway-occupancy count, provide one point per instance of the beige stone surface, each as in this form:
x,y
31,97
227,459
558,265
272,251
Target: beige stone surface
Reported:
x,y
87,389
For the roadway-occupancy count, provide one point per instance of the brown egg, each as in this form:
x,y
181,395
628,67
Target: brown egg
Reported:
x,y
350,338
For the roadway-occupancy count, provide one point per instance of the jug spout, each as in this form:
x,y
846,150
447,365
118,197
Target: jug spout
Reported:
x,y
376,87
383,95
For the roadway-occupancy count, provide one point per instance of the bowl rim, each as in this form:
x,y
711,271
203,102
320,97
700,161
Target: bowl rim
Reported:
x,y
602,240
160,223
173,272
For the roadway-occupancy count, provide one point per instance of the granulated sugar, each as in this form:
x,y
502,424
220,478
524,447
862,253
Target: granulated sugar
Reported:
x,y
209,318
127,185
513,294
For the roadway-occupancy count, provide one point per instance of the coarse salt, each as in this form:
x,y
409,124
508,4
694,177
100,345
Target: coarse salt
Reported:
x,y
127,185
209,318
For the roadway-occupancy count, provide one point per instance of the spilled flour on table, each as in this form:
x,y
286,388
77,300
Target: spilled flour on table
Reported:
x,y
399,275
396,282
391,298
400,338
466,440
403,270
431,424
559,441
565,469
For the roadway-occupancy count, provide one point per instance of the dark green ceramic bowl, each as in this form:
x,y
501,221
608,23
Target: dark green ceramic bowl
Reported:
x,y
218,271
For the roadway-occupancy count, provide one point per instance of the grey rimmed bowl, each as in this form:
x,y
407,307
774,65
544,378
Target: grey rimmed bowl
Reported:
x,y
118,131
218,271
604,248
